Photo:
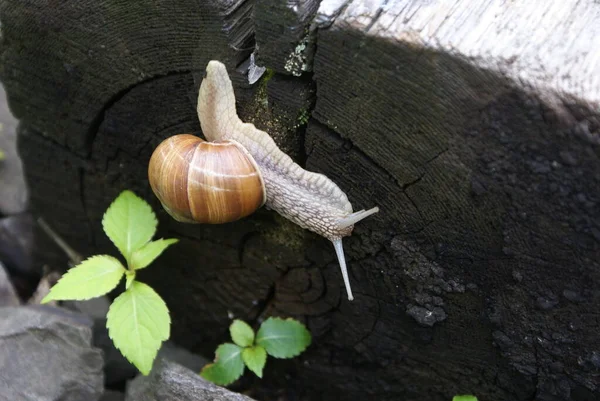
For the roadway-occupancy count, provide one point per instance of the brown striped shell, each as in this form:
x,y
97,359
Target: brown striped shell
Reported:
x,y
205,182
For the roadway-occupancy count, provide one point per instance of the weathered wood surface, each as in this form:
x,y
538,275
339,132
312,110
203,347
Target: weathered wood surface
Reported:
x,y
285,34
474,125
14,190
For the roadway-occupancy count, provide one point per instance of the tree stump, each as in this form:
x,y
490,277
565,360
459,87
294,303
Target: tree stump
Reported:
x,y
474,126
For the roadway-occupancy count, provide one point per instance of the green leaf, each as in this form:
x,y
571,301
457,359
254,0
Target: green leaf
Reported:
x,y
91,278
464,398
2,156
228,366
283,338
241,333
138,322
130,223
147,253
255,358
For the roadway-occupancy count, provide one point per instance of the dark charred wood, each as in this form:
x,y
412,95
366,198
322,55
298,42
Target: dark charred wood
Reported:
x,y
480,274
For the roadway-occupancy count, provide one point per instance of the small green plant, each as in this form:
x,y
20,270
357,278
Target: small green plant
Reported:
x,y
138,320
2,156
303,117
277,337
464,398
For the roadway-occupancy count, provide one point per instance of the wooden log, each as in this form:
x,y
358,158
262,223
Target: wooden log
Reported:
x,y
285,34
12,182
491,150
473,126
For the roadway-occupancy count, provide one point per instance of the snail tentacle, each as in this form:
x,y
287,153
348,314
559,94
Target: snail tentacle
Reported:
x,y
339,251
356,217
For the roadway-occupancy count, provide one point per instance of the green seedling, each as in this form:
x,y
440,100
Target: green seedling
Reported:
x,y
138,320
276,337
464,398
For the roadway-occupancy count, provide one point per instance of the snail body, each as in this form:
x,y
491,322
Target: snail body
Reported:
x,y
308,199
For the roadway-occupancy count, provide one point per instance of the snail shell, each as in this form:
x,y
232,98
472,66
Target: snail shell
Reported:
x,y
205,182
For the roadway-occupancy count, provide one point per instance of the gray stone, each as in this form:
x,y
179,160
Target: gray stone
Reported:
x,y
170,381
8,296
16,251
24,250
112,396
46,355
182,356
95,308
117,369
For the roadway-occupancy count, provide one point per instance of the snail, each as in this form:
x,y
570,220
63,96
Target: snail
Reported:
x,y
240,169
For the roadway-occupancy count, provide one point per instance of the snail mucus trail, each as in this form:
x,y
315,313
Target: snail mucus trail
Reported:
x,y
241,168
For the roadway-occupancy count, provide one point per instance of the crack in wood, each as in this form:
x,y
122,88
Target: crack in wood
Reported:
x,y
264,307
242,245
91,235
97,121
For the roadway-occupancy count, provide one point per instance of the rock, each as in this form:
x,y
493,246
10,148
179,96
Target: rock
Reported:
x,y
16,245
170,381
46,355
8,296
95,308
117,369
48,280
112,396
24,250
182,356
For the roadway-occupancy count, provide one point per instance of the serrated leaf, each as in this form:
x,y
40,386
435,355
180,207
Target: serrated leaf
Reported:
x,y
283,338
130,223
228,365
138,322
241,333
91,278
464,398
147,253
255,358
